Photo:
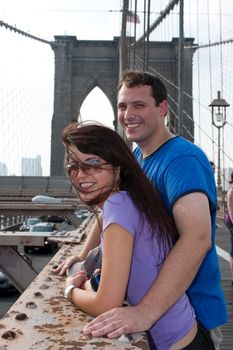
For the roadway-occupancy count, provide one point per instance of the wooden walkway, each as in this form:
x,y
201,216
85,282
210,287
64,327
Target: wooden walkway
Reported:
x,y
223,241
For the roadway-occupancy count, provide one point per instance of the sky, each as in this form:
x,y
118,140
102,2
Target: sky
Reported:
x,y
27,67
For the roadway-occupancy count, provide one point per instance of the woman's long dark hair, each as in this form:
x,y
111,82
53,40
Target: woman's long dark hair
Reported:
x,y
108,145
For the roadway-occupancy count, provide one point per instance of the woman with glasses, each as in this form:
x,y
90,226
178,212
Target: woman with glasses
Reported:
x,y
137,234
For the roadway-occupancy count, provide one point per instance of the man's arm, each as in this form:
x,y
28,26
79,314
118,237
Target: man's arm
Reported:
x,y
92,241
192,218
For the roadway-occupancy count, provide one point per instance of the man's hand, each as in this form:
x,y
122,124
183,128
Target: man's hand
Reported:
x,y
118,321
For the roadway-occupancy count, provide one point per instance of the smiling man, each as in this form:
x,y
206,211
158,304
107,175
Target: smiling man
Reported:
x,y
183,175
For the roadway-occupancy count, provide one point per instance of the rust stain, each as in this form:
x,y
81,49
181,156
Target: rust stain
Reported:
x,y
9,335
38,295
21,316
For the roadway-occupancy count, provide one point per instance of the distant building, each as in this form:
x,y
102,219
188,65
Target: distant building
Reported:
x,y
31,166
3,169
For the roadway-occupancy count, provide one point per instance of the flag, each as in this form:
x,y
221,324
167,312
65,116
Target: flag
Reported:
x,y
132,17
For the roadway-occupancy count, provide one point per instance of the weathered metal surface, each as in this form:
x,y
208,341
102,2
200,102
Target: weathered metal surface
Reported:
x,y
15,238
43,319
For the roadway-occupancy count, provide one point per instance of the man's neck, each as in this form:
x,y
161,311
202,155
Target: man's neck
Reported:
x,y
150,146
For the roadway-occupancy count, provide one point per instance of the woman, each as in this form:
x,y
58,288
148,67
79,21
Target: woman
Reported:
x,y
229,222
137,234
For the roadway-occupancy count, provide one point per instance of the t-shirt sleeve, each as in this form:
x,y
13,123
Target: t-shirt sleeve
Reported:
x,y
119,209
187,174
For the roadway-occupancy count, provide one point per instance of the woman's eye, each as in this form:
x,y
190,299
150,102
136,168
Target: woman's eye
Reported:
x,y
94,162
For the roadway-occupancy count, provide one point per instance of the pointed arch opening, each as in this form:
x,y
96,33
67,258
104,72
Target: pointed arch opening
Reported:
x,y
96,106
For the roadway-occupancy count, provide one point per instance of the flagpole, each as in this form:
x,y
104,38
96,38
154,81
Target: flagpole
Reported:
x,y
123,57
123,64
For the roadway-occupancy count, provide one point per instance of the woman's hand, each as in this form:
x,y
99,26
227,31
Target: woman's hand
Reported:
x,y
78,279
61,269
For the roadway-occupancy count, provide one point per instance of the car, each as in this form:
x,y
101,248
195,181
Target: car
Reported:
x,y
49,246
6,287
29,222
46,199
82,213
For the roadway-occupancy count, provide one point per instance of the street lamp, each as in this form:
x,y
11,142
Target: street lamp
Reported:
x,y
218,113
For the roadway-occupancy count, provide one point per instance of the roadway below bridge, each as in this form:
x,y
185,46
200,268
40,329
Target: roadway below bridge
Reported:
x,y
38,261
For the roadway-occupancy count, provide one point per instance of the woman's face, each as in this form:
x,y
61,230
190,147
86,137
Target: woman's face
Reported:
x,y
90,175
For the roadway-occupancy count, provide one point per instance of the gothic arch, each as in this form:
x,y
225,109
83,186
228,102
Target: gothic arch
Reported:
x,y
89,85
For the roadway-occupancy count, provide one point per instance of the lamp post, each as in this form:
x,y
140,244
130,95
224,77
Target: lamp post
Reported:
x,y
218,114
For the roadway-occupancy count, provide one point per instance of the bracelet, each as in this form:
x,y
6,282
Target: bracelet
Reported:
x,y
68,290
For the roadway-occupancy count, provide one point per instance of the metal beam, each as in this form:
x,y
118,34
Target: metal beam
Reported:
x,y
66,210
16,238
16,268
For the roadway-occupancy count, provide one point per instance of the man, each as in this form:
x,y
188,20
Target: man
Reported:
x,y
185,179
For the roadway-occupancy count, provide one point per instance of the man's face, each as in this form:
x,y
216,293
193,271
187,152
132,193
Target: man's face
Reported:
x,y
138,114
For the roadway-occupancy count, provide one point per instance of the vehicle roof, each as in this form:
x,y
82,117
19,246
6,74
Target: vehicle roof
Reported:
x,y
44,224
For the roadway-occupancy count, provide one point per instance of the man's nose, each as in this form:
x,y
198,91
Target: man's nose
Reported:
x,y
129,112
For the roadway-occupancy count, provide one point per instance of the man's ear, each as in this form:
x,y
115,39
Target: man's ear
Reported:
x,y
163,108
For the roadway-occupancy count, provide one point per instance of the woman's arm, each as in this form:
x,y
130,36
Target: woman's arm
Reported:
x,y
117,253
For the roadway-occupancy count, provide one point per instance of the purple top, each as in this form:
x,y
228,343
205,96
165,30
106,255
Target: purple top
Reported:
x,y
146,263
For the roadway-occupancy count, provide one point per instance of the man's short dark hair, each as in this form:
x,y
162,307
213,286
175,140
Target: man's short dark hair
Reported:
x,y
132,78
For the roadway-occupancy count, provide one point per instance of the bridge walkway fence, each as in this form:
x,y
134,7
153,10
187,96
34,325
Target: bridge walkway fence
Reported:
x,y
30,186
42,318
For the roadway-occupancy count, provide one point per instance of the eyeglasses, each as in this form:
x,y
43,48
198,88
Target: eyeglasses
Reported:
x,y
89,167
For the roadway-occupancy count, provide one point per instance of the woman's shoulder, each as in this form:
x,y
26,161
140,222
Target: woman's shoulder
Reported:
x,y
120,197
120,201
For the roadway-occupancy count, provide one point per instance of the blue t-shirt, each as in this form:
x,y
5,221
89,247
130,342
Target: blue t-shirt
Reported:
x,y
146,262
177,168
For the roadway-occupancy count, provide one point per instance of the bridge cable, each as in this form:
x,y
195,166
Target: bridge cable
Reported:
x,y
16,30
198,72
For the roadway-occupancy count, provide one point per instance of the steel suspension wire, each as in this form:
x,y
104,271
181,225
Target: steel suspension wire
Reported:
x,y
144,31
210,71
135,32
160,18
198,73
221,69
148,36
16,30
